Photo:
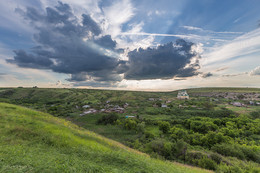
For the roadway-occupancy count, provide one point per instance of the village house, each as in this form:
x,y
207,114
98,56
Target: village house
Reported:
x,y
164,106
237,104
86,106
183,94
251,102
151,99
127,116
90,111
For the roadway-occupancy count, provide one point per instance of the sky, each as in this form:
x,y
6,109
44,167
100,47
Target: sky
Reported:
x,y
146,45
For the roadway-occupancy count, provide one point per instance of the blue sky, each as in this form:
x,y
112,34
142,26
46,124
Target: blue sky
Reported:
x,y
130,44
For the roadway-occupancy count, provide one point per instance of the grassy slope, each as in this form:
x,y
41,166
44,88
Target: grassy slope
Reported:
x,y
32,141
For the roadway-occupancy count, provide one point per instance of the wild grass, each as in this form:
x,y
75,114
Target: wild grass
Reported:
x,y
31,141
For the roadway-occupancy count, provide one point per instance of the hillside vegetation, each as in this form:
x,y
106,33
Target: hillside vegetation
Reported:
x,y
31,141
216,128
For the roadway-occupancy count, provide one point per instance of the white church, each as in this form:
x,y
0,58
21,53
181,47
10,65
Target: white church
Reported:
x,y
183,94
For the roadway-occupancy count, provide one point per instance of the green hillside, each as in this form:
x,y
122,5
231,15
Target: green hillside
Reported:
x,y
32,141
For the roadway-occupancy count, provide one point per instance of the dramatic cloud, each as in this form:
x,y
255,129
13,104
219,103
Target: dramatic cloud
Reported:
x,y
165,61
78,47
256,71
65,44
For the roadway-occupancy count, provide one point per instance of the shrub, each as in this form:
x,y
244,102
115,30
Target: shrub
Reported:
x,y
130,124
179,149
207,163
229,150
149,135
140,127
164,126
255,114
241,96
235,150
108,119
216,157
178,133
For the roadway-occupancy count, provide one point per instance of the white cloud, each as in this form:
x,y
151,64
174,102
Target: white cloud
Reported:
x,y
116,15
209,31
256,71
244,45
188,36
192,28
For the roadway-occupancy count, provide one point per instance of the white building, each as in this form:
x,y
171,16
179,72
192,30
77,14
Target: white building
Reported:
x,y
183,94
237,104
164,106
86,106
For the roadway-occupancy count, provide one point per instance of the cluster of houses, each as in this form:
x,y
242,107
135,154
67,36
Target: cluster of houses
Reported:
x,y
239,104
182,94
108,109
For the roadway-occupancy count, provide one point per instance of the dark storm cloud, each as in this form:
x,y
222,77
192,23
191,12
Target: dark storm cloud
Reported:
x,y
90,24
164,62
61,48
106,42
23,59
95,84
78,77
66,44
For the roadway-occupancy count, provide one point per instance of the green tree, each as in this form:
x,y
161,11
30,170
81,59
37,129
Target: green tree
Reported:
x,y
164,126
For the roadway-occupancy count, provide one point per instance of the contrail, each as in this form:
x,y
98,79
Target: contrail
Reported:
x,y
161,35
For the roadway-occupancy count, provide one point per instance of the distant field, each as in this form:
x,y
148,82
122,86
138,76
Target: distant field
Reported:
x,y
219,89
32,141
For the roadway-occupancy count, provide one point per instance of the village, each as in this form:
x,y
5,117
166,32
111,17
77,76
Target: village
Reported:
x,y
234,99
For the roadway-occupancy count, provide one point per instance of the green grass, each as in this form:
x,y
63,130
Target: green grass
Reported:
x,y
241,110
31,141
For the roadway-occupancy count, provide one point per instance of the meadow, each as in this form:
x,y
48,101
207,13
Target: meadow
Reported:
x,y
32,141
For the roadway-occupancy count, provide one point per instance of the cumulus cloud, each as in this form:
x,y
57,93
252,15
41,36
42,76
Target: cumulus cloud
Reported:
x,y
79,47
256,71
165,62
67,44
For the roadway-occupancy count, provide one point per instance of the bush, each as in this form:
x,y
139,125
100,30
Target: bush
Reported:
x,y
235,150
140,127
161,147
216,157
241,96
149,135
130,124
207,163
108,119
229,150
255,114
179,149
178,133
164,126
